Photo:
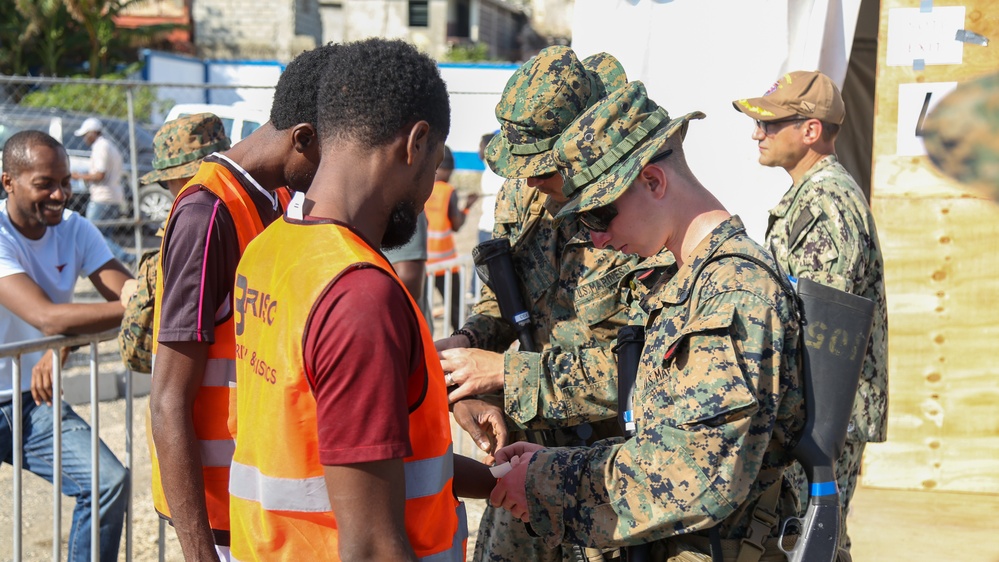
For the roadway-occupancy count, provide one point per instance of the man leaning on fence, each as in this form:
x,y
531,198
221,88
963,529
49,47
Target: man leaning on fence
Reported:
x,y
43,249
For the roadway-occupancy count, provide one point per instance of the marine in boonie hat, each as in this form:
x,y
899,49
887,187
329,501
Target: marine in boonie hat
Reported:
x,y
811,95
540,100
961,135
604,150
181,144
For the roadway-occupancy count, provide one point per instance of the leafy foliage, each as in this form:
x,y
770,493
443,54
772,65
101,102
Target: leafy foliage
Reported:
x,y
99,99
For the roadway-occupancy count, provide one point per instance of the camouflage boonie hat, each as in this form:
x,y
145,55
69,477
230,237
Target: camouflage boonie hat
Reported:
x,y
608,71
540,100
962,135
181,144
603,151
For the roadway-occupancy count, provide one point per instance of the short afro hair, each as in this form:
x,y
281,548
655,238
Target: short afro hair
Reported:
x,y
374,88
17,147
297,90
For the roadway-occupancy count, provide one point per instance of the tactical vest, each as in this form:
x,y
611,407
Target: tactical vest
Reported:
x,y
280,505
211,406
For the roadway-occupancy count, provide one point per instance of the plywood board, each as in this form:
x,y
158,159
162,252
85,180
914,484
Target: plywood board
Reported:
x,y
941,248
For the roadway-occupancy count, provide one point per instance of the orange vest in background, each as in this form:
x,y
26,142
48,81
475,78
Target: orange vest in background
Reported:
x,y
211,406
279,503
440,234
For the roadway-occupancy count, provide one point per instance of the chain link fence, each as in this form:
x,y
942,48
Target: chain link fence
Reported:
x,y
127,213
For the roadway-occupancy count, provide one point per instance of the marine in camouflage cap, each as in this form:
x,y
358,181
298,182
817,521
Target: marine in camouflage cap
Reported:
x,y
602,152
962,135
540,100
181,144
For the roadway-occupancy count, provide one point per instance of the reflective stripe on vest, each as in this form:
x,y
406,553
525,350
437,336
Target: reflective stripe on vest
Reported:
x,y
423,478
279,502
210,415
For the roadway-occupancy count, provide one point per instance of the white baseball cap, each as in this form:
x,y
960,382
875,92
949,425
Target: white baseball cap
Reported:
x,y
90,125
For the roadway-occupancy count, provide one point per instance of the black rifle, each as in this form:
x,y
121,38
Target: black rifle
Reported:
x,y
495,267
630,341
836,327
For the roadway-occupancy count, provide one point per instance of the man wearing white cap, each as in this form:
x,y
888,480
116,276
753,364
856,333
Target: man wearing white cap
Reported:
x,y
107,165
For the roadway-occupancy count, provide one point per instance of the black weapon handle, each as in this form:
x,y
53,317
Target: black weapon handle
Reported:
x,y
494,264
630,341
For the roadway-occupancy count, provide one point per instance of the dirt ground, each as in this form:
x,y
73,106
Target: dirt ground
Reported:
x,y
886,525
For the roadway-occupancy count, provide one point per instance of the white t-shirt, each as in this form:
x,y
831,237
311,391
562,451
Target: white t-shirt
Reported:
x,y
73,248
105,157
490,185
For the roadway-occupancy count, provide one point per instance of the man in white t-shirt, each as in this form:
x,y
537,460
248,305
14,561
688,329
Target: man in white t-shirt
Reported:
x,y
44,248
107,195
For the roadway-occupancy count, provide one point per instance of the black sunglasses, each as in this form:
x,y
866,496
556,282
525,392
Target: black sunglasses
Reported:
x,y
599,219
769,127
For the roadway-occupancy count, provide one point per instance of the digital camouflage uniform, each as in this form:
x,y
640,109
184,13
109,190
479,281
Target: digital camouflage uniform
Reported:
x,y
179,146
718,398
962,135
835,243
567,392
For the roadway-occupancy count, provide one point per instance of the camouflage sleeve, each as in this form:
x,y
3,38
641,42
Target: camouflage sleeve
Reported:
x,y
706,412
563,389
828,249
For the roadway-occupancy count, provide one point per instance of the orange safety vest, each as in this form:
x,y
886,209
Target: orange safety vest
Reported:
x,y
279,503
211,405
440,235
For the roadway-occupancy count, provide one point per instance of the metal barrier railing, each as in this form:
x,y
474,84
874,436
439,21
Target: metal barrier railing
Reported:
x,y
55,344
466,275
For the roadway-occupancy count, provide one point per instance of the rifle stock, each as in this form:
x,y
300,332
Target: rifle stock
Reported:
x,y
630,341
494,265
836,327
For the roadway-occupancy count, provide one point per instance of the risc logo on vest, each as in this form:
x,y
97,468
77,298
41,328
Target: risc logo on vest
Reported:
x,y
260,305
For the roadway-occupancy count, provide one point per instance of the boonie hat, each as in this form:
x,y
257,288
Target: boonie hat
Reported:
x,y
540,100
181,144
602,152
809,94
89,125
961,135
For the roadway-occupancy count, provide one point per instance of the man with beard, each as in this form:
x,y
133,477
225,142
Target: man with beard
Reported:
x,y
44,248
232,198
344,446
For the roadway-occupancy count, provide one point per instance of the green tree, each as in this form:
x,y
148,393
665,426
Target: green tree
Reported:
x,y
100,99
467,52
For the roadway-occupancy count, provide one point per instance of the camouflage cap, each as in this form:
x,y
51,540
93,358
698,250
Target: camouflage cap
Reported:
x,y
540,100
603,151
809,94
181,144
608,71
961,135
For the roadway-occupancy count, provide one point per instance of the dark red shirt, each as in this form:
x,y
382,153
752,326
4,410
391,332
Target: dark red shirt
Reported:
x,y
362,348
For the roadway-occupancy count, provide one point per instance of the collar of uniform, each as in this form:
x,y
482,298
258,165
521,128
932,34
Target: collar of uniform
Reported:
x,y
784,205
676,288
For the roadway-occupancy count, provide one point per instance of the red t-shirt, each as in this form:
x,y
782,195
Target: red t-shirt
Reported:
x,y
362,347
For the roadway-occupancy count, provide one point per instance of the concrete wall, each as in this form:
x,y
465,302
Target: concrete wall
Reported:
x,y
255,30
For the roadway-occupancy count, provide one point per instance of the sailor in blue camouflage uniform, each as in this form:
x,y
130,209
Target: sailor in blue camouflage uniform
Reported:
x,y
566,393
823,229
718,397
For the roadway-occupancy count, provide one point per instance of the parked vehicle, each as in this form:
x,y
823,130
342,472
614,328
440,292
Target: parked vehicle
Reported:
x,y
239,120
61,124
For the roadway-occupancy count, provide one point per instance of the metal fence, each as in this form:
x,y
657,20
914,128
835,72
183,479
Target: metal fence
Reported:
x,y
131,113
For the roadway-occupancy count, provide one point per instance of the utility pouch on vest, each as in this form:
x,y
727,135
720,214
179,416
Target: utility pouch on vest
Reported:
x,y
135,339
494,264
835,328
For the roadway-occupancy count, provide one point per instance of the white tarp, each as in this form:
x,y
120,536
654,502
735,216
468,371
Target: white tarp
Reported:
x,y
702,55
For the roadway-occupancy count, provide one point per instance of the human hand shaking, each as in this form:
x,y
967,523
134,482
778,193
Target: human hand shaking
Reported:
x,y
510,491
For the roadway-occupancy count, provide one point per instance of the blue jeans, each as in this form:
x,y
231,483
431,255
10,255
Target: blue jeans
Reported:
x,y
114,481
105,212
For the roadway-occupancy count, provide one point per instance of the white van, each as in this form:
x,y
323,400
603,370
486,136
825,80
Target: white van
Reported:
x,y
239,120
